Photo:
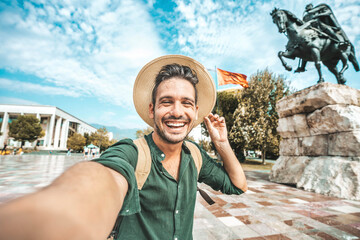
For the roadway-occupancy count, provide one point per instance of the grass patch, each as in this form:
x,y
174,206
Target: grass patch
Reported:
x,y
256,165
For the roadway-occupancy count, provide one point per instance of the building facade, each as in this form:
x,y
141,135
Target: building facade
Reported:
x,y
57,125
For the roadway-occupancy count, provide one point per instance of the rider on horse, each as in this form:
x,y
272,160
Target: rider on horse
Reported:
x,y
323,21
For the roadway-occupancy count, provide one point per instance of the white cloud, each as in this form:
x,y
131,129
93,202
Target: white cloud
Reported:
x,y
17,101
17,86
93,49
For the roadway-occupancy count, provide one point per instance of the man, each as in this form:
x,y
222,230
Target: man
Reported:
x,y
172,94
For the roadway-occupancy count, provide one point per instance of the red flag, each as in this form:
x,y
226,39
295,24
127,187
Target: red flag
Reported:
x,y
225,77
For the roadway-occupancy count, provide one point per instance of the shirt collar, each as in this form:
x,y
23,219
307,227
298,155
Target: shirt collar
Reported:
x,y
156,150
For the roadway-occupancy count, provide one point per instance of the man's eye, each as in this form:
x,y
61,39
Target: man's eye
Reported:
x,y
188,103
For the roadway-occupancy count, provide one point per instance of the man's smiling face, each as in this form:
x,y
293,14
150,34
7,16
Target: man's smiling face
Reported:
x,y
175,110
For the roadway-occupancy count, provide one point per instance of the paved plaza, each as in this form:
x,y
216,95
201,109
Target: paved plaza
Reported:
x,y
266,211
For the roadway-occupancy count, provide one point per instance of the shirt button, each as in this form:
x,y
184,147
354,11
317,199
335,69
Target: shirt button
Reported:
x,y
176,238
177,211
162,155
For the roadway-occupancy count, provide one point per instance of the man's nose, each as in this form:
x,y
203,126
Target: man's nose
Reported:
x,y
176,110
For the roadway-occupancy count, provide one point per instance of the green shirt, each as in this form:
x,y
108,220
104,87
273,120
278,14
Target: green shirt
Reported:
x,y
163,208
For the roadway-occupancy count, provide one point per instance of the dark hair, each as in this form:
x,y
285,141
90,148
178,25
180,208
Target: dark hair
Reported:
x,y
175,70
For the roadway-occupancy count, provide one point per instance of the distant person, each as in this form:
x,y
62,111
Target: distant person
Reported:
x,y
86,151
172,94
68,152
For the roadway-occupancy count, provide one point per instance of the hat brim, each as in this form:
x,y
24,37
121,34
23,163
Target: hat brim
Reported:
x,y
145,82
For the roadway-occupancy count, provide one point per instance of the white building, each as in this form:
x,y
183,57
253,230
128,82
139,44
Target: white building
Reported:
x,y
56,123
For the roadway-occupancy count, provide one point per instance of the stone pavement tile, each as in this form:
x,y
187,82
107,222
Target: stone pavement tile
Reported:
x,y
217,211
298,236
319,235
307,213
347,218
254,238
203,235
286,201
338,234
248,219
353,203
202,223
349,229
297,200
244,232
346,209
238,211
264,203
254,190
231,221
221,232
277,237
219,201
355,225
280,226
298,225
262,229
328,220
312,223
238,205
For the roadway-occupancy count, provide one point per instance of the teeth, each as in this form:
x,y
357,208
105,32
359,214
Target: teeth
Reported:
x,y
175,124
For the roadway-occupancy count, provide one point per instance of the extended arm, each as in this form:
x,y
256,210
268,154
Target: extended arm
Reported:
x,y
82,203
218,133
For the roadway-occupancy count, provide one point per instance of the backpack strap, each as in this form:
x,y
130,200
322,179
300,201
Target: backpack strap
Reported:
x,y
143,166
196,155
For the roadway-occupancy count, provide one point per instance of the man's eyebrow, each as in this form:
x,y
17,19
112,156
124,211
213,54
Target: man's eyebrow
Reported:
x,y
189,99
184,98
165,97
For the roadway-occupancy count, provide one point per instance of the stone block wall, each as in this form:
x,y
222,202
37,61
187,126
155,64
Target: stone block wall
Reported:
x,y
320,147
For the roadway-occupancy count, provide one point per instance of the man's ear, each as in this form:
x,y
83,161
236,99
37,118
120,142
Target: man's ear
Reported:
x,y
151,111
197,112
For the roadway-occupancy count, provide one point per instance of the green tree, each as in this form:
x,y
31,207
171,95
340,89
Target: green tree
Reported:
x,y
142,132
255,118
25,128
76,142
226,104
100,138
87,137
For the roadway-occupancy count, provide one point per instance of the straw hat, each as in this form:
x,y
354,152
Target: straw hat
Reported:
x,y
145,82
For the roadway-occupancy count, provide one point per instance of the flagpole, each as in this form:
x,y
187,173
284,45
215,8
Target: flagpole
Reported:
x,y
217,85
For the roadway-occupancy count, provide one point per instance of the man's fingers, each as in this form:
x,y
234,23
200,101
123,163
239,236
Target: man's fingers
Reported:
x,y
208,123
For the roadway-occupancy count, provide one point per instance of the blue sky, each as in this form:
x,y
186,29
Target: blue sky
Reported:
x,y
83,56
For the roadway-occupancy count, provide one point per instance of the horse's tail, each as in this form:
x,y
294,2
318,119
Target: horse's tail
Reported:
x,y
352,58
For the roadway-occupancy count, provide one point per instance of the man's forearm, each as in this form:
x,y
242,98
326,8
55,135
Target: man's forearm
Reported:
x,y
81,204
232,165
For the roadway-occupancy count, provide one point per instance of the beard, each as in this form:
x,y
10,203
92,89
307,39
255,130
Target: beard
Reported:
x,y
168,137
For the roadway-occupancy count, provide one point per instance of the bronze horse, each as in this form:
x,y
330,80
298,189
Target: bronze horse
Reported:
x,y
309,45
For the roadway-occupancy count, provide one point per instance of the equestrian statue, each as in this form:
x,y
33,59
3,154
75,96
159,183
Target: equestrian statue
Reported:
x,y
317,38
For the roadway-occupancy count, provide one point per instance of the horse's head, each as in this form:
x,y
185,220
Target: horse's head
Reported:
x,y
279,18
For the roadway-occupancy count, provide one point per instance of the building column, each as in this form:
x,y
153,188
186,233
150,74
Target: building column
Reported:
x,y
50,131
38,116
57,132
4,127
64,131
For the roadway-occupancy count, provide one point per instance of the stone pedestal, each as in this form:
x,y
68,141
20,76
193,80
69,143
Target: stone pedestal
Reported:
x,y
320,147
